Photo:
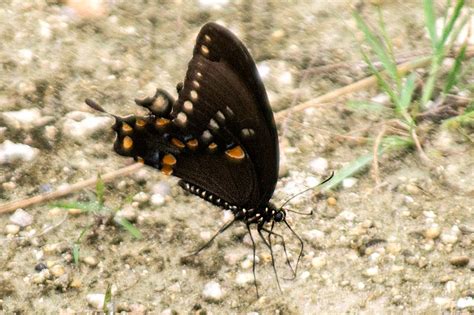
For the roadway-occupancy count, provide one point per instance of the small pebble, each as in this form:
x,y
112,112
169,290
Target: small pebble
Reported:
x,y
11,152
244,278
372,271
349,182
81,125
448,238
319,165
459,261
412,189
331,201
90,261
157,199
76,283
305,275
41,277
57,270
23,119
465,302
96,300
212,292
141,197
12,229
319,262
9,186
40,267
74,211
348,215
128,212
442,301
432,232
21,217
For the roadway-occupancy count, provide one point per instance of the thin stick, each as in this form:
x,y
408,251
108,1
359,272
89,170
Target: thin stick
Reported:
x,y
13,205
361,85
351,88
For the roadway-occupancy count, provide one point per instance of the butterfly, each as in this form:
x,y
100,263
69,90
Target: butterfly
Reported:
x,y
219,137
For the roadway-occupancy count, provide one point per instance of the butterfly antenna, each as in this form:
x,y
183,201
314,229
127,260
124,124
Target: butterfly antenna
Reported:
x,y
302,192
301,242
94,105
208,243
253,266
269,245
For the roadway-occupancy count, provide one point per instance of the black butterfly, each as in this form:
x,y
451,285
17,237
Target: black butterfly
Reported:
x,y
219,137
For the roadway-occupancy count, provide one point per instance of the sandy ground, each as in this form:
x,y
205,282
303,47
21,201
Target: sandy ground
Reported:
x,y
403,247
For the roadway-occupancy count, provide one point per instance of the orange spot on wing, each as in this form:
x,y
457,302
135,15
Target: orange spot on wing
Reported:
x,y
212,147
236,153
140,123
161,122
177,143
126,128
167,170
127,143
169,160
192,144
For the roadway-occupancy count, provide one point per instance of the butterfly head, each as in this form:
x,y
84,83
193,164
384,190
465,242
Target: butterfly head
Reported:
x,y
277,214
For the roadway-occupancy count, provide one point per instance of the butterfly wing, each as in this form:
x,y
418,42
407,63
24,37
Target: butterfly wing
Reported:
x,y
220,134
223,95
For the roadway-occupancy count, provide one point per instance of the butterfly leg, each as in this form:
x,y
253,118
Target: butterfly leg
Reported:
x,y
253,265
301,243
270,232
269,245
208,243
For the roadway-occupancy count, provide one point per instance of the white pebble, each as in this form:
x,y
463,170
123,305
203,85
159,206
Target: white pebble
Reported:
x,y
442,301
349,182
25,56
244,278
157,199
21,217
372,271
128,212
465,302
96,300
314,234
11,152
347,215
213,4
81,125
448,238
318,262
22,119
212,292
381,98
12,229
305,275
319,165
141,197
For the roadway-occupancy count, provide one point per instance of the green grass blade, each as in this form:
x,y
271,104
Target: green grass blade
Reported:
x,y
107,300
382,82
430,21
130,228
449,27
453,75
351,169
378,48
406,94
76,249
83,206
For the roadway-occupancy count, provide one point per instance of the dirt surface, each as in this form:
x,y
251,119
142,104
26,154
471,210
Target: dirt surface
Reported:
x,y
405,246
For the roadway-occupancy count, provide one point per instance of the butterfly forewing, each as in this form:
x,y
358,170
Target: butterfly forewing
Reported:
x,y
223,96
